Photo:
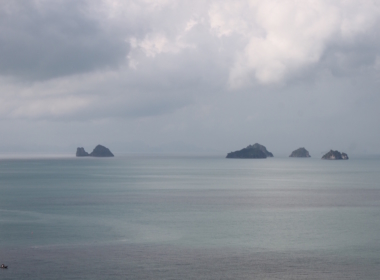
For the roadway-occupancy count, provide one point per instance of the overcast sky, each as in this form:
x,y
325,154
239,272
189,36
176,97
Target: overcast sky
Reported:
x,y
155,75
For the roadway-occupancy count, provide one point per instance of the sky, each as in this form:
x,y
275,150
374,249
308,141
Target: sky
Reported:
x,y
193,76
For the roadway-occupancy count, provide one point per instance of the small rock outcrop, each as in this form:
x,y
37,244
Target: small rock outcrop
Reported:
x,y
252,151
81,152
335,155
99,151
300,153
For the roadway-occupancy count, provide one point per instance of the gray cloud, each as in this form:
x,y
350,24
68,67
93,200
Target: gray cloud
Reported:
x,y
204,73
48,39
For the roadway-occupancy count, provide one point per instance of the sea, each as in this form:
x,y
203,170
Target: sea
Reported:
x,y
189,217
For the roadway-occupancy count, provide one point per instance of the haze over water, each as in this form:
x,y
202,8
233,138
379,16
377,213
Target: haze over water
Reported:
x,y
156,217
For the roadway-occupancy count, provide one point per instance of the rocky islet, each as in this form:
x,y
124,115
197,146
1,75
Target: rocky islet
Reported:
x,y
251,151
335,155
99,151
300,153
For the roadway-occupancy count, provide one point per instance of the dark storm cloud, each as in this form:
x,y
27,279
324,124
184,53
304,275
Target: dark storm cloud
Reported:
x,y
47,39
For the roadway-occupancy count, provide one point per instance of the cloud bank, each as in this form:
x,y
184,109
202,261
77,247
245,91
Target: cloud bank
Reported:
x,y
189,62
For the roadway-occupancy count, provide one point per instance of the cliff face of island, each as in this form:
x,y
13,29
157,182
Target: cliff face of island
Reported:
x,y
99,151
81,153
300,153
335,155
252,151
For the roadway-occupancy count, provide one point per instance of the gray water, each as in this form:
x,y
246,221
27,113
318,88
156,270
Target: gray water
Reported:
x,y
189,218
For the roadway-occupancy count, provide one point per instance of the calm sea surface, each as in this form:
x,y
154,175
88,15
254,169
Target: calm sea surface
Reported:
x,y
189,218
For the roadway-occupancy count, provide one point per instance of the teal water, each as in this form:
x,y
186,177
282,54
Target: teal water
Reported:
x,y
141,217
